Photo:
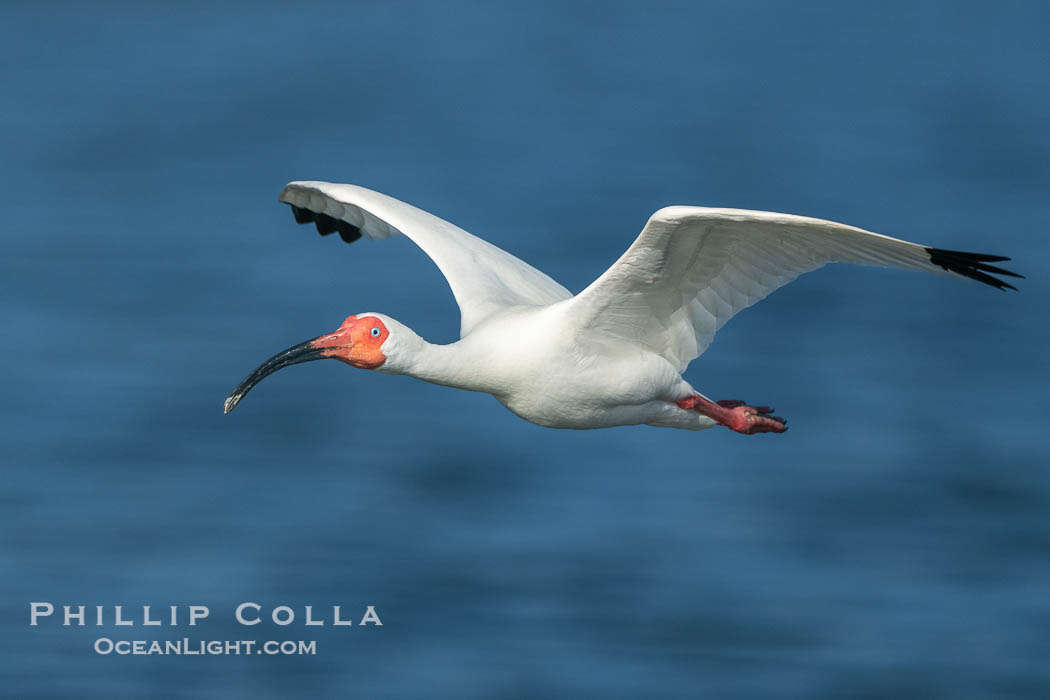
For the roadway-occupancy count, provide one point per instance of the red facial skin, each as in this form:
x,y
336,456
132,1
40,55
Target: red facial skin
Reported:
x,y
354,344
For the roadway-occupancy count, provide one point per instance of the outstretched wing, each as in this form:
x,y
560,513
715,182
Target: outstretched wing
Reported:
x,y
694,268
483,278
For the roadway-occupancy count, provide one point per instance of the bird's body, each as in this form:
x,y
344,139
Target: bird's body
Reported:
x,y
614,353
531,360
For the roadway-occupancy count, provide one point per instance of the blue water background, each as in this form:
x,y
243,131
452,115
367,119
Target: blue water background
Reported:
x,y
895,543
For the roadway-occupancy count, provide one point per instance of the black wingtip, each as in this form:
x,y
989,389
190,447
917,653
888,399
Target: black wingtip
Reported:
x,y
302,216
974,266
347,231
326,224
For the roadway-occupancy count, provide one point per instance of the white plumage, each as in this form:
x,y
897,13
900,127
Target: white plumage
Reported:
x,y
483,278
613,354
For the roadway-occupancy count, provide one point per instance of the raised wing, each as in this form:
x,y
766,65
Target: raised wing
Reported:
x,y
694,268
483,278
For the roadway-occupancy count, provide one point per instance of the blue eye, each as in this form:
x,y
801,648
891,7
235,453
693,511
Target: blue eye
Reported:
x,y
375,331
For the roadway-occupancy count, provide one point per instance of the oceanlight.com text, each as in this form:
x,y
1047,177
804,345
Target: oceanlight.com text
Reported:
x,y
204,647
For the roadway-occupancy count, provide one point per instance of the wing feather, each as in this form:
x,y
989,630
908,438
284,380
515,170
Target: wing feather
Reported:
x,y
693,268
484,279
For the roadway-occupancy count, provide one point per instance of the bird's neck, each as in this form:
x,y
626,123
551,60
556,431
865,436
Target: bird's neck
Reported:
x,y
449,365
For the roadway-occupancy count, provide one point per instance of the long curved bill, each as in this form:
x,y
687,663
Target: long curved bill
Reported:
x,y
303,352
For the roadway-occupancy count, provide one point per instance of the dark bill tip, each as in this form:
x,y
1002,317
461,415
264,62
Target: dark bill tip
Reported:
x,y
303,352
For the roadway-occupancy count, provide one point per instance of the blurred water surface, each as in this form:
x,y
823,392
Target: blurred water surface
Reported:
x,y
895,543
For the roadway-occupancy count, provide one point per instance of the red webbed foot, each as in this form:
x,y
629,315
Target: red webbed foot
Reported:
x,y
737,415
750,420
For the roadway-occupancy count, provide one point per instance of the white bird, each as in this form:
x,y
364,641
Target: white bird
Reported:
x,y
614,353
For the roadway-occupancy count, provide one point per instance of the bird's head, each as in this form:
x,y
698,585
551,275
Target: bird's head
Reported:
x,y
367,341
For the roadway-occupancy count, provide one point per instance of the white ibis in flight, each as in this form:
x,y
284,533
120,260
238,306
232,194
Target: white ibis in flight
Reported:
x,y
614,353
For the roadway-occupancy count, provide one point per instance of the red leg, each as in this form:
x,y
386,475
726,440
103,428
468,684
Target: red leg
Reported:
x,y
737,415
